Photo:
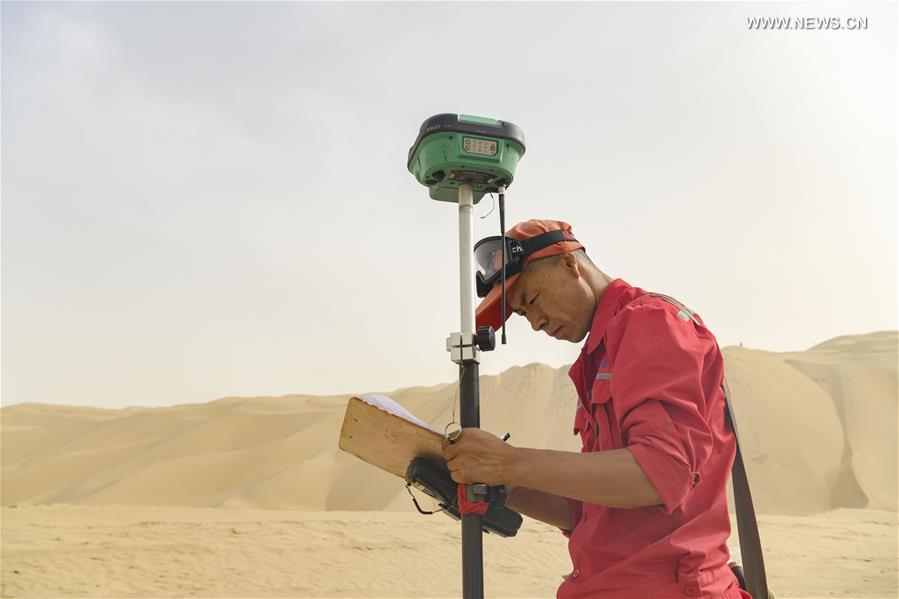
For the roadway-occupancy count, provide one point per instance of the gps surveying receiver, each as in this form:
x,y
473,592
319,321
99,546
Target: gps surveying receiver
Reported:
x,y
459,158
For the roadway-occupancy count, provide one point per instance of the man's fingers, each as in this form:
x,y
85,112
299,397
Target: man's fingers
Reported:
x,y
453,464
456,464
457,473
450,451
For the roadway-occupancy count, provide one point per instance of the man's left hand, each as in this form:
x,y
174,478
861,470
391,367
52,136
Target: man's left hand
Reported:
x,y
480,457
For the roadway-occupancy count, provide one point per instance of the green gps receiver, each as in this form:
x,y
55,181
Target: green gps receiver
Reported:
x,y
452,149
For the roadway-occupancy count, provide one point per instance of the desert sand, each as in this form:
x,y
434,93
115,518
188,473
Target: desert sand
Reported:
x,y
129,551
250,496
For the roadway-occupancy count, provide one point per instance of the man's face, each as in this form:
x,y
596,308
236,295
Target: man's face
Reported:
x,y
554,296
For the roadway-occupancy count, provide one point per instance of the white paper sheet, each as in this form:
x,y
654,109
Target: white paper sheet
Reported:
x,y
388,405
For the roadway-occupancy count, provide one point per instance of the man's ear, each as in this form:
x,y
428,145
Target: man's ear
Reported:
x,y
570,263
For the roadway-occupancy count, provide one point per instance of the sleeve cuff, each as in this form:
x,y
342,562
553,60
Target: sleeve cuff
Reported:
x,y
576,511
669,474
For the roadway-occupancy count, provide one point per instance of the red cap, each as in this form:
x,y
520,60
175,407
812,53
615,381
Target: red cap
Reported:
x,y
489,311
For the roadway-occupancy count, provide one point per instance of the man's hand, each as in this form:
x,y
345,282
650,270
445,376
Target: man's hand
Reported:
x,y
477,456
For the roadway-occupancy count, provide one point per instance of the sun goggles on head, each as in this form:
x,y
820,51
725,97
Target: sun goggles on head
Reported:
x,y
488,254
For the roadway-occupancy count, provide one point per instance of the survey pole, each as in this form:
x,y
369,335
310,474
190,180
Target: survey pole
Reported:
x,y
460,158
469,401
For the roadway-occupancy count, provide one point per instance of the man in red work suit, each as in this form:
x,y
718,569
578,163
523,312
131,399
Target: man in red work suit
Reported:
x,y
643,504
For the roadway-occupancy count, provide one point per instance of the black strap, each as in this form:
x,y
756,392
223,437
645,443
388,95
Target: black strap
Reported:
x,y
538,242
418,507
747,527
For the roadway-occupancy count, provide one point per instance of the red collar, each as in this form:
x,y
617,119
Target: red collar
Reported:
x,y
605,310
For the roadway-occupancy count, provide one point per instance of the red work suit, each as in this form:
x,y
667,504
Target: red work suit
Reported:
x,y
649,380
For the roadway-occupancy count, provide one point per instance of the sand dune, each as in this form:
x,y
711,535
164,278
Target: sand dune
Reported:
x,y
859,374
818,429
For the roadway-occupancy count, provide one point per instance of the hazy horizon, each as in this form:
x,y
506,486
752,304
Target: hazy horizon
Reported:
x,y
202,200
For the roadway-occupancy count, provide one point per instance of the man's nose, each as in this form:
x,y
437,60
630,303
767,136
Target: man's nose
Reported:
x,y
537,323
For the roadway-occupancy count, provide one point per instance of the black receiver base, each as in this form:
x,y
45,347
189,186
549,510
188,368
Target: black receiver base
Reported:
x,y
432,477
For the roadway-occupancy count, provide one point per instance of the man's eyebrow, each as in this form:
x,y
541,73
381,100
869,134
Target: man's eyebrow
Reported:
x,y
521,297
510,302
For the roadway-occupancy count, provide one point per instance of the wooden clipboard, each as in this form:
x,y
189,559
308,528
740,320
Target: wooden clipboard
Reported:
x,y
384,438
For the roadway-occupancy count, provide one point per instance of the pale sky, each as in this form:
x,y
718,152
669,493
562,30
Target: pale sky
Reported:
x,y
208,200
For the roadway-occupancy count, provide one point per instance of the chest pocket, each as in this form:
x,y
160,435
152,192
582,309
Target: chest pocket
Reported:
x,y
606,432
585,425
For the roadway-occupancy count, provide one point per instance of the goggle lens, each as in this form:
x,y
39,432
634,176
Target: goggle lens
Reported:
x,y
489,257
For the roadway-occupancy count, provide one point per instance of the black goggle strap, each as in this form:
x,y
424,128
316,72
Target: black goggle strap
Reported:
x,y
519,249
538,242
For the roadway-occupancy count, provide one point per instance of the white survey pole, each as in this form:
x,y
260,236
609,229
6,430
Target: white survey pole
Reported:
x,y
466,257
